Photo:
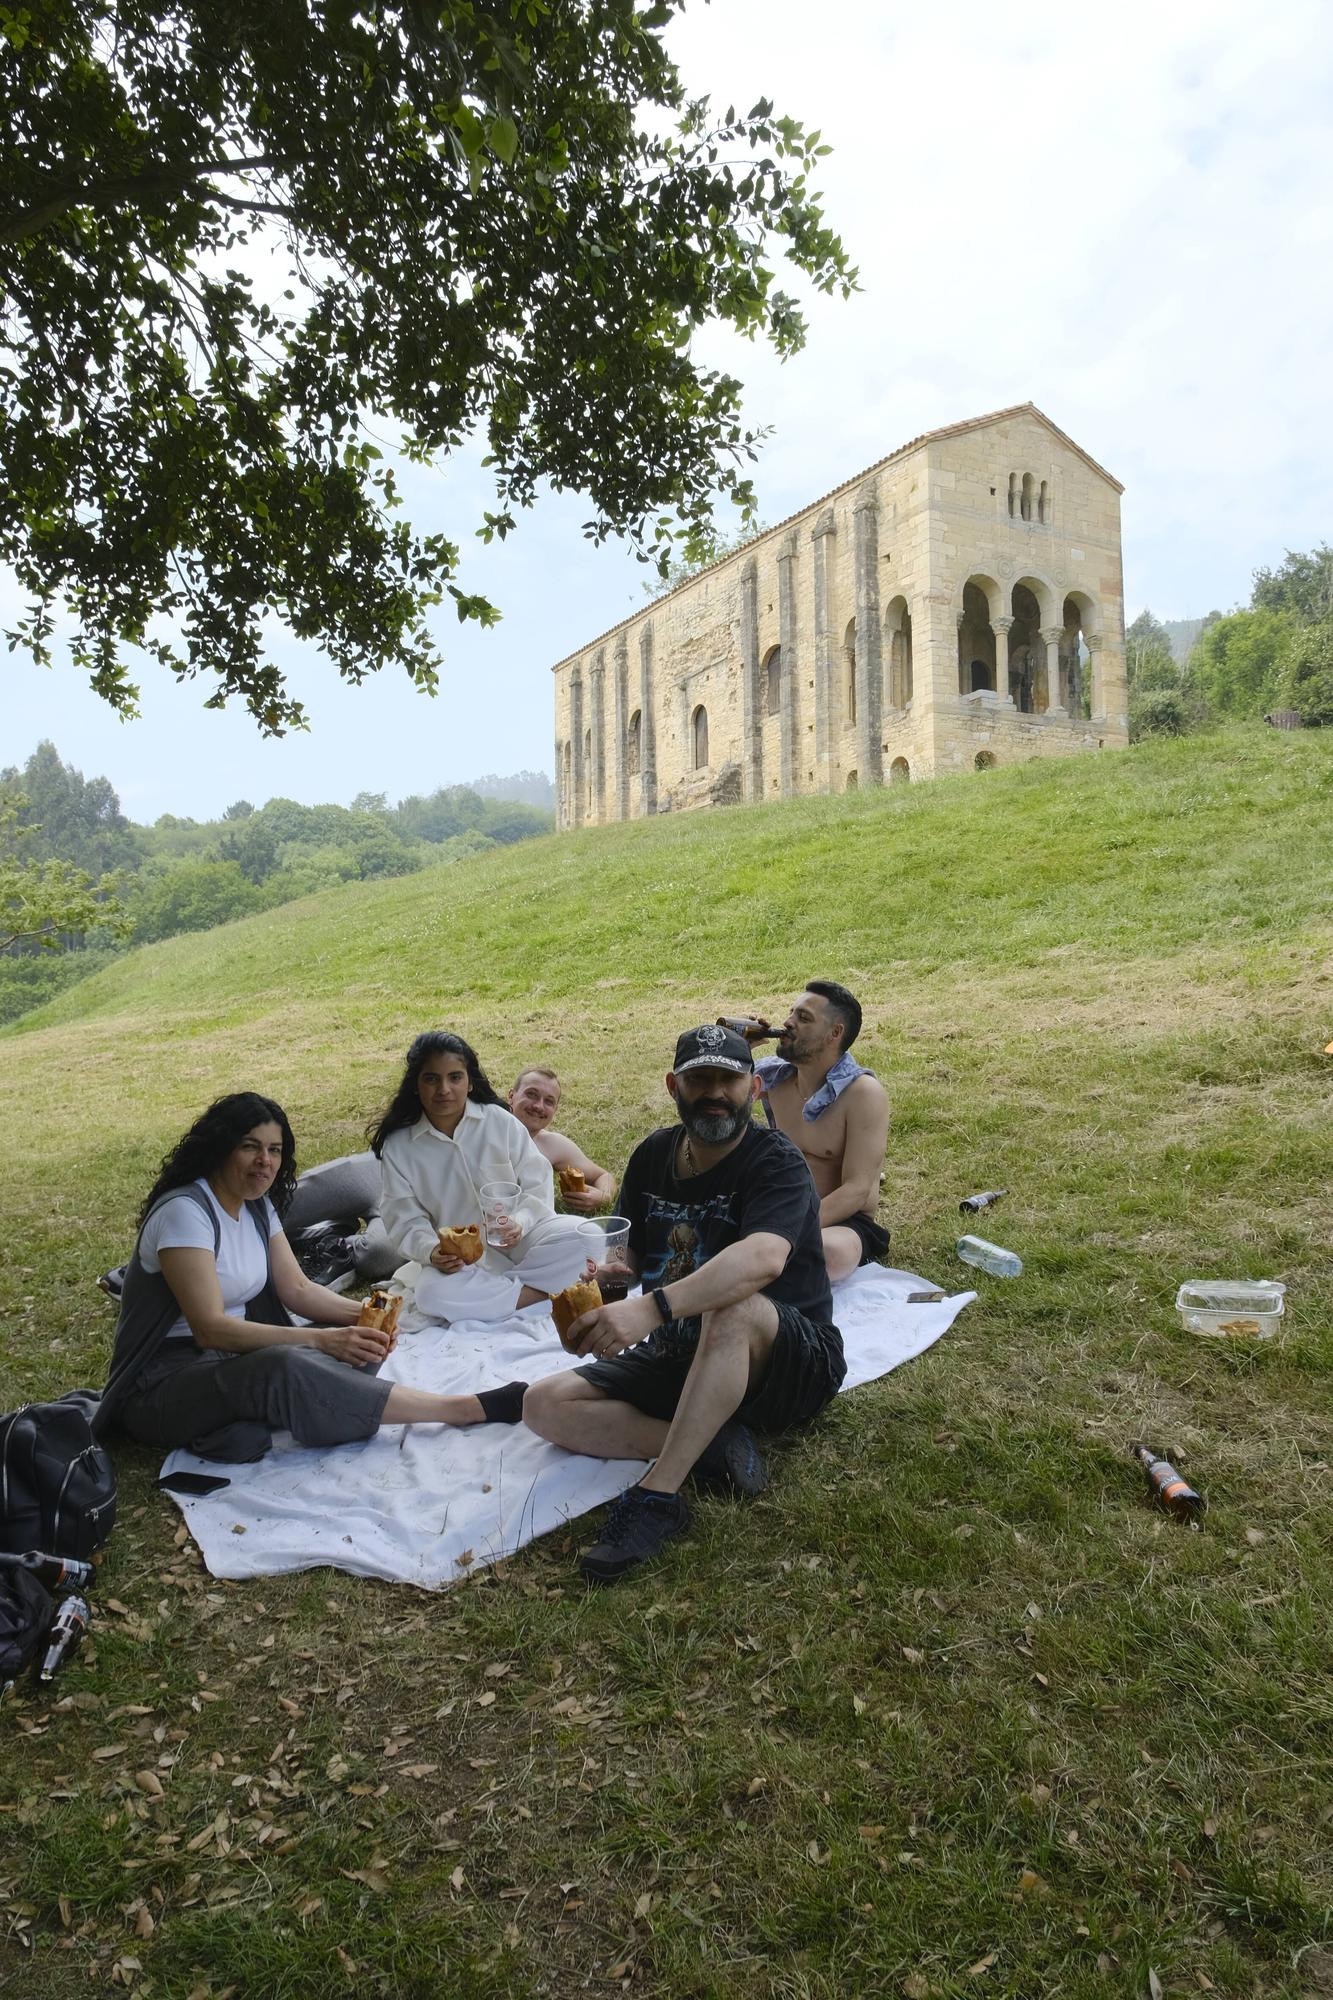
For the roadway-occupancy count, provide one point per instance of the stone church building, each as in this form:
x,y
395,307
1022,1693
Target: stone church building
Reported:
x,y
956,606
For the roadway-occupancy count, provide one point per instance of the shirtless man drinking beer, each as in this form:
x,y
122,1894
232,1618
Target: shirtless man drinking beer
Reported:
x,y
838,1115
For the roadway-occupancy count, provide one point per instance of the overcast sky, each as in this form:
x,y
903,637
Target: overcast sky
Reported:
x,y
1124,215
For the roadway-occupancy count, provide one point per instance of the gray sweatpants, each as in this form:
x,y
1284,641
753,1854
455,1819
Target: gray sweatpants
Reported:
x,y
227,1406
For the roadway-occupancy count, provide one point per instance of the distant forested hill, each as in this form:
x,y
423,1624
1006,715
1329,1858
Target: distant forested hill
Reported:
x,y
527,788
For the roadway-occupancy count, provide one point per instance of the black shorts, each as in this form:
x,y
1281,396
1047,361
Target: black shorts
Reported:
x,y
805,1371
874,1237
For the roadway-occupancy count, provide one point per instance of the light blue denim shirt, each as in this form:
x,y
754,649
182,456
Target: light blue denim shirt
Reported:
x,y
773,1070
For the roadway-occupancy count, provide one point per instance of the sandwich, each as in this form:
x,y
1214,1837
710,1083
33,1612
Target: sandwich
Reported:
x,y
571,1304
573,1180
381,1310
466,1243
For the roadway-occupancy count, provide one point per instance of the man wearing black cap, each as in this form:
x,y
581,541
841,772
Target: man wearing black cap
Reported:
x,y
733,1331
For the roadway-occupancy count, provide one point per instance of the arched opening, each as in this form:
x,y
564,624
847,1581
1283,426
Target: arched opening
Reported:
x,y
1031,607
849,675
984,761
1013,495
898,653
773,681
1080,616
1025,501
587,768
1043,504
852,781
976,638
699,725
899,771
634,745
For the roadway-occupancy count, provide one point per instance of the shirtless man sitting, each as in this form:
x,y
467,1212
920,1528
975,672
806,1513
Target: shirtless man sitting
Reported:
x,y
837,1113
534,1101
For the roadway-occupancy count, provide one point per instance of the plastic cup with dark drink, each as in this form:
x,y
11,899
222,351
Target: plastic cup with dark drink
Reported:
x,y
607,1241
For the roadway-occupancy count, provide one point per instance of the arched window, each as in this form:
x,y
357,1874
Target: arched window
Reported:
x,y
773,682
852,781
898,653
1013,495
984,761
700,726
1043,505
899,771
849,674
1025,504
634,745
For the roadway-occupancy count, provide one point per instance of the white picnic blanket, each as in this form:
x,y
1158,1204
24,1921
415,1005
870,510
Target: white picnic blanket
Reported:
x,y
423,1504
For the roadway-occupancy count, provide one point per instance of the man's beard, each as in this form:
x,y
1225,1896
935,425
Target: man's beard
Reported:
x,y
793,1050
713,1128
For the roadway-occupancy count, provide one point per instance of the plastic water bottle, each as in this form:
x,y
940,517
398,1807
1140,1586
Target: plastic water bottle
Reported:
x,y
988,1257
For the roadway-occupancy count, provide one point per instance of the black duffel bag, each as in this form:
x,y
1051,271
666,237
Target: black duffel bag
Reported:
x,y
25,1615
57,1485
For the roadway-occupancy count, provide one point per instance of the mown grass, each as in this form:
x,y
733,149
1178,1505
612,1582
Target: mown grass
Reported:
x,y
951,1709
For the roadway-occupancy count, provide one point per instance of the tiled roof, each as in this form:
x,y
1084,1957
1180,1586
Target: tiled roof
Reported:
x,y
913,444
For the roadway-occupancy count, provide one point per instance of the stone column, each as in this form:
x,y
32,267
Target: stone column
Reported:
x,y
599,734
788,711
821,536
647,726
752,695
869,654
620,733
1051,637
580,777
1110,692
1002,627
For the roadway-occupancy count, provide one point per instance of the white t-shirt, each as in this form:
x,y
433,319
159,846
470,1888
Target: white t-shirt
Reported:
x,y
181,1224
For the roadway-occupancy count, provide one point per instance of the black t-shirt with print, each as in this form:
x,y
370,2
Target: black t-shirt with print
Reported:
x,y
762,1186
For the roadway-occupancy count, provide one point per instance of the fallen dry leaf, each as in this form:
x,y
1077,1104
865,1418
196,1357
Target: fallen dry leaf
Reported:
x,y
913,1657
1154,1985
1254,1536
916,1986
456,1879
643,1905
148,1781
374,1878
1209,1829
982,1964
485,1700
1031,1884
110,1750
143,1923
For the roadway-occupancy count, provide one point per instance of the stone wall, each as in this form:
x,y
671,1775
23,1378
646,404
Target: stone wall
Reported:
x,y
857,643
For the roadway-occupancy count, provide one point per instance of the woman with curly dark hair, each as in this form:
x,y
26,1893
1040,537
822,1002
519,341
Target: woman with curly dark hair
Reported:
x,y
445,1138
208,1353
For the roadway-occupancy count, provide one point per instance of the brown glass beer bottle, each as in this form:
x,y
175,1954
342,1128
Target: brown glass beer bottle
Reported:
x,y
1175,1493
750,1025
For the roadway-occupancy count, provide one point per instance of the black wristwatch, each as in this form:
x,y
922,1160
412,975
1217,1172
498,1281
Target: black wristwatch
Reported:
x,y
660,1301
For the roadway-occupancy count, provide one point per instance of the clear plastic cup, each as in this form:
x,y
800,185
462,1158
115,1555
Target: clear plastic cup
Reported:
x,y
499,1199
607,1241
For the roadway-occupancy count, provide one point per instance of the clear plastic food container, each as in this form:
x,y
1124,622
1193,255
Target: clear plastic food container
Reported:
x,y
1231,1308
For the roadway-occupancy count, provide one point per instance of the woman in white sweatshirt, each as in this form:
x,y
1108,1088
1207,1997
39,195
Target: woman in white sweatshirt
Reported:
x,y
446,1134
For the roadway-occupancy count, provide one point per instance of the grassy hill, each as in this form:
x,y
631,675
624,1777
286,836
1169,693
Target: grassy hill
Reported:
x,y
817,1750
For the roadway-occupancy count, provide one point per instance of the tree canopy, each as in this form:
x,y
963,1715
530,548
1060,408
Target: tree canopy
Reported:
x,y
246,251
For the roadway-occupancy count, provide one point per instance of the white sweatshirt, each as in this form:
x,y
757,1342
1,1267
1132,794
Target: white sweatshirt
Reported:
x,y
432,1182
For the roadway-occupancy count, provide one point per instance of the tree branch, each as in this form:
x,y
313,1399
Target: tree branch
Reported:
x,y
93,194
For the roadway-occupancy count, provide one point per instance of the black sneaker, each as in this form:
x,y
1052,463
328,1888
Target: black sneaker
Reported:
x,y
324,1255
638,1527
113,1282
731,1463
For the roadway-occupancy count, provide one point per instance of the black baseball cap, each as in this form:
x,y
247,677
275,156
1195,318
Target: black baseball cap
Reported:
x,y
713,1047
